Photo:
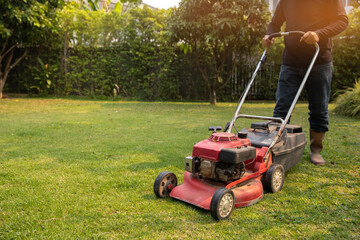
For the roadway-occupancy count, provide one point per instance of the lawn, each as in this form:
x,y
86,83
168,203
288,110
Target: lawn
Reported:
x,y
81,169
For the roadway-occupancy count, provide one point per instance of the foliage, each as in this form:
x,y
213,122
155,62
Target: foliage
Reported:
x,y
23,24
219,34
25,21
153,55
118,53
43,75
84,28
348,103
355,3
95,4
148,56
347,54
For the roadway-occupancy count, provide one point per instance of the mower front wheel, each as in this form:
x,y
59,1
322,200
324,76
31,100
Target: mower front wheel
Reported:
x,y
274,178
164,183
222,204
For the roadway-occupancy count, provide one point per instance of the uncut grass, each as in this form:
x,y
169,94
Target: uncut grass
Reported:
x,y
75,169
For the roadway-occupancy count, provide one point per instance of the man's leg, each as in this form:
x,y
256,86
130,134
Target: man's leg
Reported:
x,y
288,84
318,89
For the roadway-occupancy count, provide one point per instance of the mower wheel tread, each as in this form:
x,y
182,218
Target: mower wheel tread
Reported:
x,y
222,204
164,183
273,180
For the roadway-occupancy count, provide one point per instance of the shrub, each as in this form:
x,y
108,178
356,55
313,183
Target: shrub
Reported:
x,y
347,54
348,103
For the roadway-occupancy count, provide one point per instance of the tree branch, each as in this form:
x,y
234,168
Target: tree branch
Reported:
x,y
202,71
231,73
19,59
7,66
7,52
4,46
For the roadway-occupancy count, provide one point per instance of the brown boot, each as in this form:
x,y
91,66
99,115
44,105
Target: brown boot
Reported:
x,y
316,145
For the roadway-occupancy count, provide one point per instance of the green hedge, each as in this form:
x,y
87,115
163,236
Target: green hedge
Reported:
x,y
131,55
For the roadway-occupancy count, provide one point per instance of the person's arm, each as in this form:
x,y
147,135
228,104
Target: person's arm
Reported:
x,y
337,23
277,20
275,25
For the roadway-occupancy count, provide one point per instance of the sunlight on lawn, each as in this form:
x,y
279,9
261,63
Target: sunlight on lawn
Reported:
x,y
86,169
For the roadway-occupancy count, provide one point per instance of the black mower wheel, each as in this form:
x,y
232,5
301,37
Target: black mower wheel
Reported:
x,y
164,183
222,204
274,178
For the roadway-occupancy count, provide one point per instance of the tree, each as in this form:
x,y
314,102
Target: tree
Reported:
x,y
105,4
218,33
125,53
147,54
23,24
346,53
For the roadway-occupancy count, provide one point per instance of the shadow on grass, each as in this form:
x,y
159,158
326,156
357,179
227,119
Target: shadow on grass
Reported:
x,y
178,203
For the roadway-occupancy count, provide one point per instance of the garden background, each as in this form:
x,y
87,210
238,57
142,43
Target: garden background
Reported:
x,y
136,52
113,97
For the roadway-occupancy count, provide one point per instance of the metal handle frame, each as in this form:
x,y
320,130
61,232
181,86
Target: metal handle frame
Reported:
x,y
291,109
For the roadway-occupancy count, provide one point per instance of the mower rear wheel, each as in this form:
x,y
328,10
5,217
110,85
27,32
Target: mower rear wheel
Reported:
x,y
164,183
222,204
274,178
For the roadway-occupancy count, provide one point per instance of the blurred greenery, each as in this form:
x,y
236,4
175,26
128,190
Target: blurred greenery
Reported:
x,y
219,34
348,103
347,54
138,53
24,24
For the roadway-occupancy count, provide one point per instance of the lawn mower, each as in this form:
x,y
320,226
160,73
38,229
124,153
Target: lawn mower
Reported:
x,y
230,170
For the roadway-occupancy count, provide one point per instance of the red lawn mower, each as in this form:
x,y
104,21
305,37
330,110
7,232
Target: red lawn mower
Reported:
x,y
230,170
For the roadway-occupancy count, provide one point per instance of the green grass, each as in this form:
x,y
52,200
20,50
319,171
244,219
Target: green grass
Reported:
x,y
77,169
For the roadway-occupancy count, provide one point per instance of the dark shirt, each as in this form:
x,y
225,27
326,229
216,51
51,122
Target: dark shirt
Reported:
x,y
325,17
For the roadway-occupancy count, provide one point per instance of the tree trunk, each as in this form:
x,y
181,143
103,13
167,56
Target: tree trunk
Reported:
x,y
6,56
64,62
4,73
1,87
213,95
210,87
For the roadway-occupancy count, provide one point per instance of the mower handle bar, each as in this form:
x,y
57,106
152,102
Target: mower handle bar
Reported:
x,y
275,119
279,34
247,89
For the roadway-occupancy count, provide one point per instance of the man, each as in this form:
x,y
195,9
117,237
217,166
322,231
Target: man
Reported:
x,y
320,20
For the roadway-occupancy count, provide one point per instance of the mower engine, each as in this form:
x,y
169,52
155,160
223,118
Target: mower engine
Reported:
x,y
221,157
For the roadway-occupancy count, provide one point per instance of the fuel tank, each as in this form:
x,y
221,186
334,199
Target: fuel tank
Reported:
x,y
210,148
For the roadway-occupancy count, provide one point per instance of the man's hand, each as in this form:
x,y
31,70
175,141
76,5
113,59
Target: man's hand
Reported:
x,y
310,38
266,42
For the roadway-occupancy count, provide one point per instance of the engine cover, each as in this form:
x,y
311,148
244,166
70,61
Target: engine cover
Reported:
x,y
210,148
237,155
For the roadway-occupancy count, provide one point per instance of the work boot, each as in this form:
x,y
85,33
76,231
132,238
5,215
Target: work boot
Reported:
x,y
316,145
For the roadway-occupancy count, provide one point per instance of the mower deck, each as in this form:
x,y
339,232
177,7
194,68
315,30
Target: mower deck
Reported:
x,y
199,192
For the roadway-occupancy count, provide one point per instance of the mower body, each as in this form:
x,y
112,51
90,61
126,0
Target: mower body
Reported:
x,y
225,160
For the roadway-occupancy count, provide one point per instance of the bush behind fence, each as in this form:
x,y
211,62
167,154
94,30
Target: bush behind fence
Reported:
x,y
112,72
139,61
